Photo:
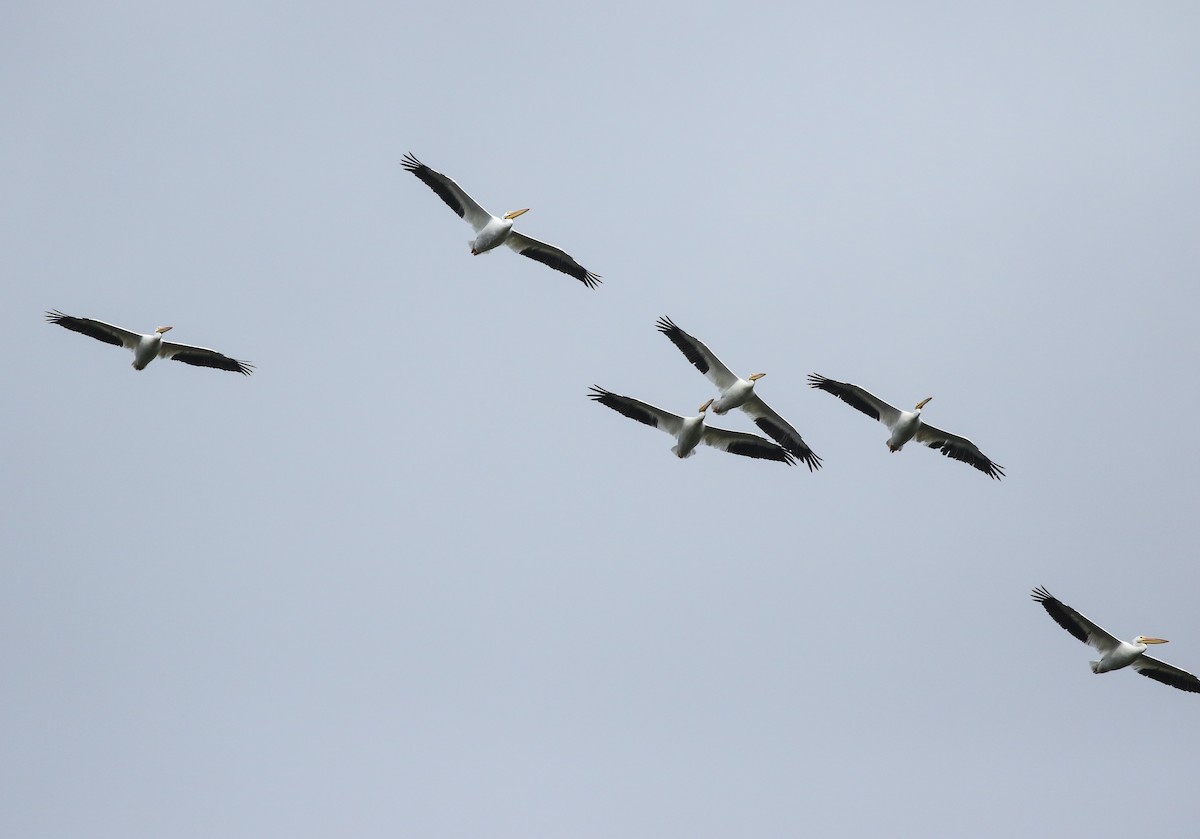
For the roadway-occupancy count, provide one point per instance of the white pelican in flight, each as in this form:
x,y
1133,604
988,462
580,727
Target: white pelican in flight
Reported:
x,y
1114,653
907,425
737,392
689,432
146,348
492,232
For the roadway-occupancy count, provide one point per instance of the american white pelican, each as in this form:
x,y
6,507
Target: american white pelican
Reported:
x,y
146,348
691,431
491,231
907,425
737,392
1114,653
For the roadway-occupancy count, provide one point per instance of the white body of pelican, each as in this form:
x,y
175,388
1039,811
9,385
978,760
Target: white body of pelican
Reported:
x,y
908,425
1115,653
146,348
491,232
689,432
737,392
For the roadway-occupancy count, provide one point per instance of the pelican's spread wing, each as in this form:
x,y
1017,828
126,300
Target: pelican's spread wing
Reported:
x,y
99,330
455,196
1075,623
702,358
856,397
203,357
959,448
781,431
1160,671
556,258
747,445
638,410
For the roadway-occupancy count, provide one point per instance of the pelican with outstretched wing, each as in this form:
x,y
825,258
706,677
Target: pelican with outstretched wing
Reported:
x,y
908,425
737,392
146,348
1115,653
491,232
690,432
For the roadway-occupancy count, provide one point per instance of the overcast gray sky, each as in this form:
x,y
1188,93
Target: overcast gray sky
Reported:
x,y
407,580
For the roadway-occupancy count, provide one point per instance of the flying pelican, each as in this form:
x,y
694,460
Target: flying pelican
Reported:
x,y
146,348
491,231
689,432
1115,654
737,392
907,425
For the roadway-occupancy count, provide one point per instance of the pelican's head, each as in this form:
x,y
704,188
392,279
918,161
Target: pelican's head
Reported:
x,y
1142,639
705,407
923,402
163,329
515,213
754,377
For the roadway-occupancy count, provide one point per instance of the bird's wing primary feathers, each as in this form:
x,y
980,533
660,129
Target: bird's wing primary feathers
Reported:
x,y
556,258
1160,671
1075,623
856,397
455,196
959,448
203,357
638,410
99,330
702,358
781,431
747,445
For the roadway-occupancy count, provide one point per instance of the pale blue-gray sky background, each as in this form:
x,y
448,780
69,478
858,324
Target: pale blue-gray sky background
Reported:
x,y
406,580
